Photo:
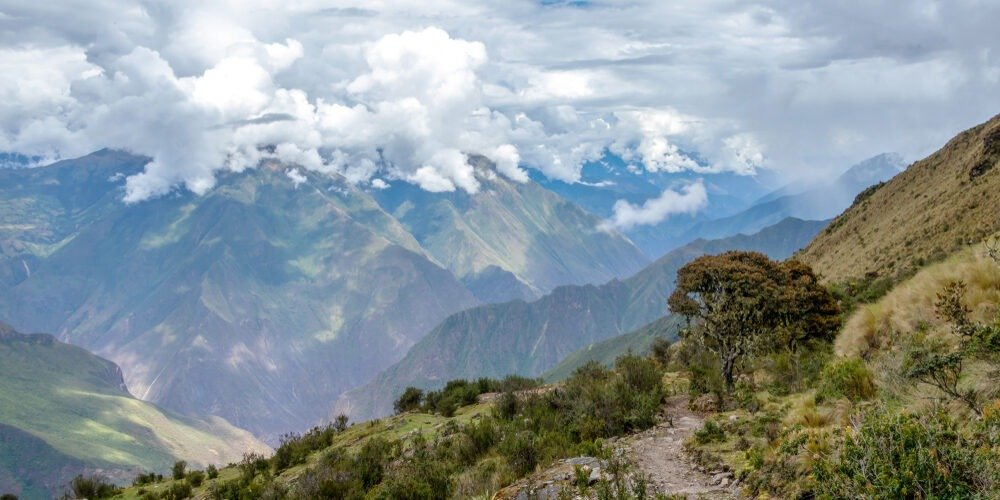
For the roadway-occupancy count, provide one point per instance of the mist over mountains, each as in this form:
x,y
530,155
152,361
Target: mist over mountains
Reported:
x,y
265,298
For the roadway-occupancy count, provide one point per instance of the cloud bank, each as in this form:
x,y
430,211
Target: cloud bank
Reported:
x,y
686,200
404,91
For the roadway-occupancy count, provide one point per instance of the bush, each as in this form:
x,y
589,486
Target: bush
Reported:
x,y
340,423
902,455
178,470
93,487
409,400
371,459
148,478
177,491
506,406
711,432
521,452
195,478
212,471
846,378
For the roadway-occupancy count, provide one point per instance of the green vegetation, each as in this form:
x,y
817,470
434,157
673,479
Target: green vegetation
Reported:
x,y
64,410
741,304
529,338
458,393
92,487
424,454
908,408
904,455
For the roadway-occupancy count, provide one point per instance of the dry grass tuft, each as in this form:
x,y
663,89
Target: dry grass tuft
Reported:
x,y
910,306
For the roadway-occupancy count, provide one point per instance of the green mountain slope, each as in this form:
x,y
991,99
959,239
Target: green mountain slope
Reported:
x,y
259,301
531,233
64,411
528,338
607,351
938,205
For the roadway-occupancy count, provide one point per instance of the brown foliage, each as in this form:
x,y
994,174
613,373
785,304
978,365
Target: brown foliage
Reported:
x,y
742,303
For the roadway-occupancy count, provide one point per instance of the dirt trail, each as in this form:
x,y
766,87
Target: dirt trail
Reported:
x,y
659,454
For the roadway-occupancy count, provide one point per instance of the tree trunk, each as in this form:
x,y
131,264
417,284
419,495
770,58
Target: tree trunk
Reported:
x,y
728,367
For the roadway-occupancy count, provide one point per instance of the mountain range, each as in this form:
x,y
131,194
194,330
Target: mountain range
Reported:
x,y
528,338
263,299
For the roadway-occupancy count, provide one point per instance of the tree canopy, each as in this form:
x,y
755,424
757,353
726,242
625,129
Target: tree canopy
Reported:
x,y
740,303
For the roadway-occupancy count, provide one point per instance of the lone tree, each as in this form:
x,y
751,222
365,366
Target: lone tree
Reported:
x,y
741,303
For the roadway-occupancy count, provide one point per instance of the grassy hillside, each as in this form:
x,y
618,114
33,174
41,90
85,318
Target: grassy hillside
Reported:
x,y
909,307
938,205
484,446
528,338
871,419
64,411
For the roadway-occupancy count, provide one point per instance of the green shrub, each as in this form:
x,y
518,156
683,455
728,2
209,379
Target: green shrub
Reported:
x,y
178,490
520,449
212,471
902,455
409,400
178,470
506,406
371,460
93,487
711,432
148,478
340,423
846,378
195,477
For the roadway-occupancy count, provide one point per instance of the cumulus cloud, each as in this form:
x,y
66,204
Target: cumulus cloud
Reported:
x,y
405,91
688,199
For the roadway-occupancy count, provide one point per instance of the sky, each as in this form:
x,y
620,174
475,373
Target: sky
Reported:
x,y
402,91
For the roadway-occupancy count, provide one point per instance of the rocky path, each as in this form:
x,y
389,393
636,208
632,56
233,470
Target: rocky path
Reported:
x,y
658,454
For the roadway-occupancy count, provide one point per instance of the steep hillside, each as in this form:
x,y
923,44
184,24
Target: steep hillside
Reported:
x,y
909,306
528,338
607,351
259,302
819,203
936,206
64,411
538,238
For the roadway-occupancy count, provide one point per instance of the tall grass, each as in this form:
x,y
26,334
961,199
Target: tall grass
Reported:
x,y
910,306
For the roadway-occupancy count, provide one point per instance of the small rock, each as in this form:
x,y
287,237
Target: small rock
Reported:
x,y
595,476
724,482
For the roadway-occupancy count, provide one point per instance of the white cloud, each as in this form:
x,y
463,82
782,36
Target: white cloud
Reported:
x,y
296,176
686,200
403,89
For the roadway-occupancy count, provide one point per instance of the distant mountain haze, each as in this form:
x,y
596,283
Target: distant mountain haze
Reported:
x,y
265,298
737,204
